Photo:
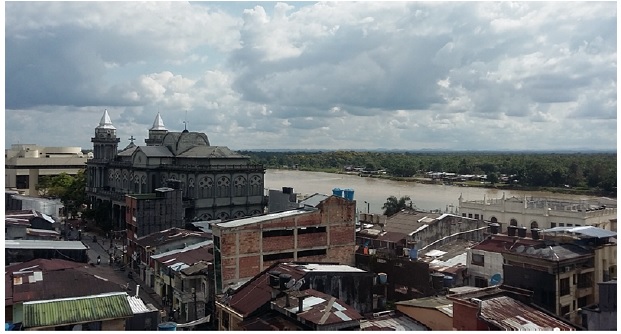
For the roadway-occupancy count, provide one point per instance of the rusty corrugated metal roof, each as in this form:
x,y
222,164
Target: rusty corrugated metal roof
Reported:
x,y
318,308
257,292
510,314
76,310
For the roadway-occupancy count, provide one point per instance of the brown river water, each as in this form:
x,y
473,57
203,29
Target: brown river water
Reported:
x,y
375,191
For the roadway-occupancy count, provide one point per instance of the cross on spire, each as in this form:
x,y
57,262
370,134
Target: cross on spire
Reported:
x,y
131,139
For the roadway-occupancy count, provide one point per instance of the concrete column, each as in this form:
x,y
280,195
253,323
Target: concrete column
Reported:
x,y
33,180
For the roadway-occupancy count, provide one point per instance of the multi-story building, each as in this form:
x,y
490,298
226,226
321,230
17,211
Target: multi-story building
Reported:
x,y
245,247
215,182
25,163
542,213
562,270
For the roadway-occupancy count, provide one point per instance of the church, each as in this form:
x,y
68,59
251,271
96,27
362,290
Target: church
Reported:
x,y
215,182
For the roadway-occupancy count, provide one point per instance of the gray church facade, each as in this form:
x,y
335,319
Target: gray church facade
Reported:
x,y
216,182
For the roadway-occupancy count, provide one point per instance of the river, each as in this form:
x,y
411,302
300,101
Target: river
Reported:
x,y
374,191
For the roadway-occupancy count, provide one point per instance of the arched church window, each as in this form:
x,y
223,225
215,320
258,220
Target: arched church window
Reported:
x,y
206,187
240,186
222,215
255,185
143,184
191,193
223,188
494,220
534,224
513,222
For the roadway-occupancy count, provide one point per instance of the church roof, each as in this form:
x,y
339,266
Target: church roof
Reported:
x,y
156,151
128,151
210,152
158,124
105,122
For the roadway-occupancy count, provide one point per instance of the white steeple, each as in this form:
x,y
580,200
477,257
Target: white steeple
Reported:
x,y
158,124
105,122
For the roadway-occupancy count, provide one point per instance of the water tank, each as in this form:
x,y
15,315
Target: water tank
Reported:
x,y
437,281
494,228
521,231
274,278
287,190
337,192
167,326
383,278
349,194
413,253
283,280
535,233
511,230
448,281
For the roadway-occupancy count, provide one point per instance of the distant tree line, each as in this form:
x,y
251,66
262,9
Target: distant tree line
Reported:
x,y
575,170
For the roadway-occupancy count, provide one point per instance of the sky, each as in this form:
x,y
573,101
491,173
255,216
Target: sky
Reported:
x,y
316,75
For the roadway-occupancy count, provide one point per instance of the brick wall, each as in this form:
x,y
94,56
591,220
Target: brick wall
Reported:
x,y
272,244
229,269
312,240
312,219
342,235
249,242
249,266
228,245
341,254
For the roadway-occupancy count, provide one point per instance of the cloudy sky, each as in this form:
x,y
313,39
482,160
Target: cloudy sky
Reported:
x,y
307,75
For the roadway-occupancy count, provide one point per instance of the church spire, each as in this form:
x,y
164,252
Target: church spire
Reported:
x,y
158,124
105,122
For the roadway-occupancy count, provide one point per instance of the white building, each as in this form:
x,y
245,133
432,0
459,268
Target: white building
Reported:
x,y
542,213
24,163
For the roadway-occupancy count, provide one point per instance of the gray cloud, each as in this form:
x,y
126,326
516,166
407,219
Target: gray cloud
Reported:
x,y
488,75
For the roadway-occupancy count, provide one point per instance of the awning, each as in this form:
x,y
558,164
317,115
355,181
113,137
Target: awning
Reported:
x,y
195,322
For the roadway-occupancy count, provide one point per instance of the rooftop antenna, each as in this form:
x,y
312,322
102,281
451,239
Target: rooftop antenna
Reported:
x,y
185,122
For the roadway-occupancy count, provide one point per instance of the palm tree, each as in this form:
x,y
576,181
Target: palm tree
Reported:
x,y
394,205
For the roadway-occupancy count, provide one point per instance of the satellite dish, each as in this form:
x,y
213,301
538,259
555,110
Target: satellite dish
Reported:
x,y
495,279
530,250
520,249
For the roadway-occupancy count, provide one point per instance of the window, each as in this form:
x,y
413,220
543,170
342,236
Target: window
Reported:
x,y
469,215
278,256
224,320
584,281
561,224
569,225
277,233
582,302
318,229
565,311
534,224
564,287
513,222
480,282
552,224
463,215
494,220
476,216
478,259
312,252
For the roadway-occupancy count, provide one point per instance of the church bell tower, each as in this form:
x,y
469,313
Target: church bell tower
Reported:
x,y
156,132
105,142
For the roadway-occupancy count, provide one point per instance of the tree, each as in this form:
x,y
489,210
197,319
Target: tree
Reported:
x,y
492,177
70,189
394,205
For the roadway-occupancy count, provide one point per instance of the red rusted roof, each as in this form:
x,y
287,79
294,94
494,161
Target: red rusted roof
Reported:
x,y
270,321
257,292
171,234
510,314
501,243
188,257
66,283
315,306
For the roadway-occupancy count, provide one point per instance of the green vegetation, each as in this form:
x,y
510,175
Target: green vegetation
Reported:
x,y
70,189
584,173
394,205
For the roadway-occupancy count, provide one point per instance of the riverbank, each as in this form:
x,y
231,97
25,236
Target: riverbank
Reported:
x,y
474,184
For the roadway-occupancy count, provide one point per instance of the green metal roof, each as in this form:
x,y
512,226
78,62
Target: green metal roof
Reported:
x,y
76,310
